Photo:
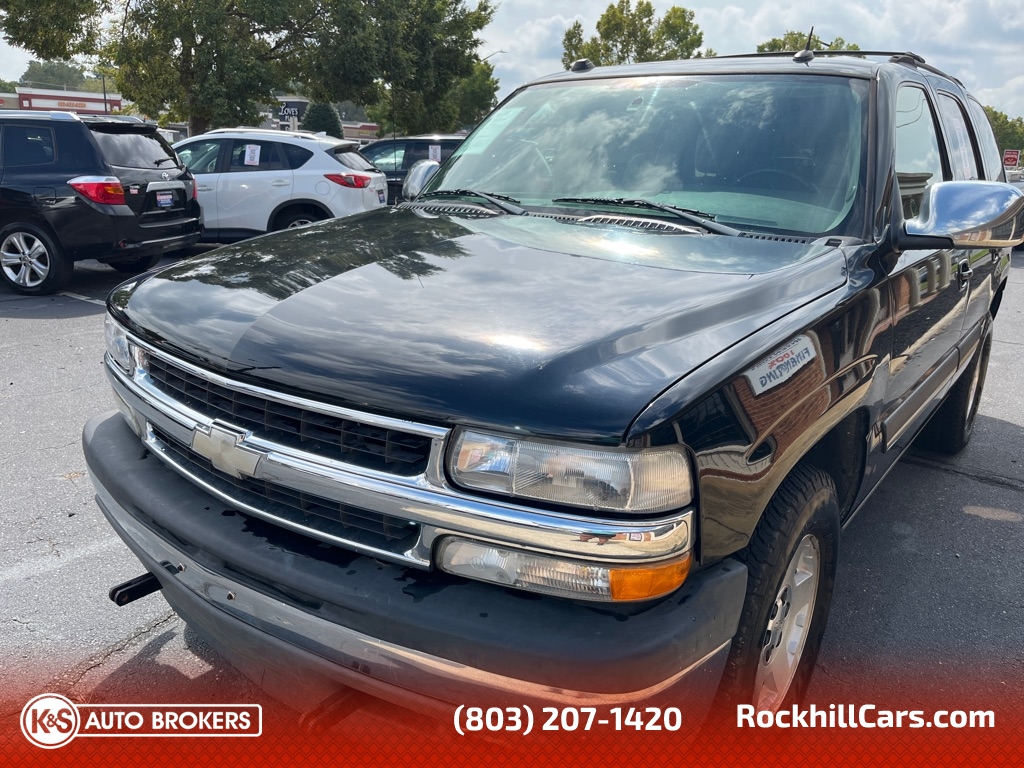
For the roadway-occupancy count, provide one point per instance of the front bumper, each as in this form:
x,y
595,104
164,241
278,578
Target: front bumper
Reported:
x,y
304,620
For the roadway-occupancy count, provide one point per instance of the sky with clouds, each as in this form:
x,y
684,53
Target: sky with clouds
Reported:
x,y
979,41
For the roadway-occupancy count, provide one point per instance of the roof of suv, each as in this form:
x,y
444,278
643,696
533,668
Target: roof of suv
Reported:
x,y
425,136
273,133
845,63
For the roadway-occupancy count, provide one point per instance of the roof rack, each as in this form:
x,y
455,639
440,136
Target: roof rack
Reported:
x,y
271,132
896,57
50,114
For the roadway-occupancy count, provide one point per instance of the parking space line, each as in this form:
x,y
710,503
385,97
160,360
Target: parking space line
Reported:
x,y
80,297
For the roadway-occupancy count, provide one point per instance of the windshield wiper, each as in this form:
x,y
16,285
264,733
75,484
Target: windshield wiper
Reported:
x,y
704,220
163,160
504,202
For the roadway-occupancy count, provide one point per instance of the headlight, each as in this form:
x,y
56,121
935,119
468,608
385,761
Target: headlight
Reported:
x,y
117,344
641,481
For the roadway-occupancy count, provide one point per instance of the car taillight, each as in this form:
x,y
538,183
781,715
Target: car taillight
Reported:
x,y
195,190
99,189
354,180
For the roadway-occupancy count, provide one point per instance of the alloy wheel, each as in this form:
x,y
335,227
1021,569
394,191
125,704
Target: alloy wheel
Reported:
x,y
24,259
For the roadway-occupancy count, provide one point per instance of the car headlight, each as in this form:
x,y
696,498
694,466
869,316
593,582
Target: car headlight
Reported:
x,y
632,481
117,344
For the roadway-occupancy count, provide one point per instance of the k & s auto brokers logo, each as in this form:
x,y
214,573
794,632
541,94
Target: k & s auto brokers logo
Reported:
x,y
51,720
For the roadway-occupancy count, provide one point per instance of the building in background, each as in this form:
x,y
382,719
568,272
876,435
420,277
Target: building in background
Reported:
x,y
82,102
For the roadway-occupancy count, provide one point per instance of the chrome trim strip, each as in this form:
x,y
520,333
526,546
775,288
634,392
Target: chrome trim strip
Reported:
x,y
160,186
430,675
441,510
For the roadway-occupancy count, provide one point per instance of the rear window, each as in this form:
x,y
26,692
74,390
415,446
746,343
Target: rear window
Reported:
x,y
387,156
134,149
350,158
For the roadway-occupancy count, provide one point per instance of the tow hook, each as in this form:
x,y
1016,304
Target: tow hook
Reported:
x,y
133,589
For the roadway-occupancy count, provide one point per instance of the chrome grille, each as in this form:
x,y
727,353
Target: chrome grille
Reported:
x,y
362,445
308,510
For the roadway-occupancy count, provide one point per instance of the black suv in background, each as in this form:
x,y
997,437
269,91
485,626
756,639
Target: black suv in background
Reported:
x,y
395,156
74,188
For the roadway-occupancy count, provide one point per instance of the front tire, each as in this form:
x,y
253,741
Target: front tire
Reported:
x,y
32,261
135,266
791,563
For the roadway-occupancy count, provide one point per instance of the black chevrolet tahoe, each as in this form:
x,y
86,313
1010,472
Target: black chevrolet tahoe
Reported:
x,y
92,187
583,420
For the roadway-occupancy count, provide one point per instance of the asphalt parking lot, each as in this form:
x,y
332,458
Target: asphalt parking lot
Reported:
x,y
931,579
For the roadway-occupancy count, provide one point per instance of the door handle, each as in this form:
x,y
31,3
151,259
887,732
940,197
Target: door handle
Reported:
x,y
964,273
204,189
280,183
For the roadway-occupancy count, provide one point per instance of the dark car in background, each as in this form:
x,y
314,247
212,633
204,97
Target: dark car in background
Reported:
x,y
396,155
74,188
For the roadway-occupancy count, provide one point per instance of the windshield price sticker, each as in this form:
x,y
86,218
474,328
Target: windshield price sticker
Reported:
x,y
252,154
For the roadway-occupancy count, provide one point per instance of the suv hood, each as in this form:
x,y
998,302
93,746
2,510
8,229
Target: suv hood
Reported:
x,y
523,323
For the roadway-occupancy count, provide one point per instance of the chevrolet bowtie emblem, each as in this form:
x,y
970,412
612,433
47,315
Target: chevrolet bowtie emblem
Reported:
x,y
224,450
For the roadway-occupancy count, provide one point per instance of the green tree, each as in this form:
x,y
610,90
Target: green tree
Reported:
x,y
627,35
350,111
211,62
53,74
321,116
475,95
214,62
428,46
1009,131
7,86
796,41
54,29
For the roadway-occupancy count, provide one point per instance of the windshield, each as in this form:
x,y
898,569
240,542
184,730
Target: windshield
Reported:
x,y
776,153
132,148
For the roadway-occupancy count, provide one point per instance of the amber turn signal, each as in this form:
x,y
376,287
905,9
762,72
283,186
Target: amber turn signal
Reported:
x,y
648,582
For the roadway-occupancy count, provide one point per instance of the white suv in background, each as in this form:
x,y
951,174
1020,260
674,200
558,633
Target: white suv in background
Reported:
x,y
253,180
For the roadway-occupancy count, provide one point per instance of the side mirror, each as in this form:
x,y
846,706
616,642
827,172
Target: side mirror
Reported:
x,y
417,178
968,214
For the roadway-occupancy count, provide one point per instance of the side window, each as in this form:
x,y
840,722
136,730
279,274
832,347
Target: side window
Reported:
x,y
249,155
418,150
297,156
446,151
387,157
962,155
992,158
918,157
26,145
200,156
